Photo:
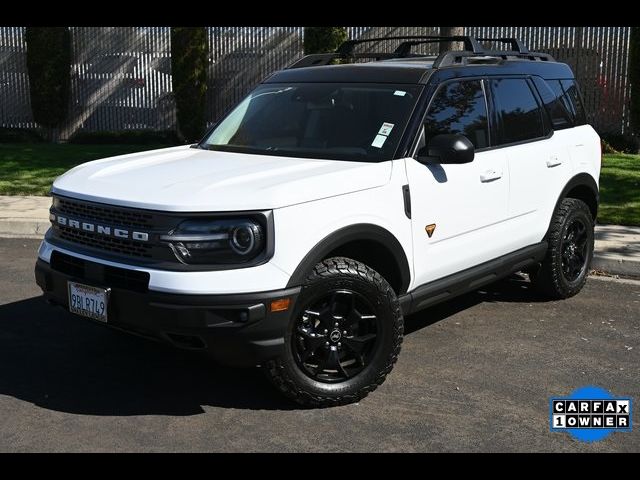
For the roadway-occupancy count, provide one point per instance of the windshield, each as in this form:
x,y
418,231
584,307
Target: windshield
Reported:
x,y
347,121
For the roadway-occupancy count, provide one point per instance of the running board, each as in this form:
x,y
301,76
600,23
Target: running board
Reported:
x,y
471,279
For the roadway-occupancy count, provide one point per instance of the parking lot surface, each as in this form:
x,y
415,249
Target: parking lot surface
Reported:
x,y
474,374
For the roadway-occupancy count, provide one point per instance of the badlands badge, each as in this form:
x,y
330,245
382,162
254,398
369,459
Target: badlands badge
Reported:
x,y
590,414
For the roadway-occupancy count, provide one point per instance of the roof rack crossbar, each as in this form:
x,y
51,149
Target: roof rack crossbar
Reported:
x,y
516,44
472,49
470,43
346,49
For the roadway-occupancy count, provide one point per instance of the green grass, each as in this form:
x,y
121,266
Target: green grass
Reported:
x,y
620,190
30,168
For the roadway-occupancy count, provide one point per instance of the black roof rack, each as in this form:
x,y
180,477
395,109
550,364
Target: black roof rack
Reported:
x,y
473,51
470,43
346,49
491,56
516,45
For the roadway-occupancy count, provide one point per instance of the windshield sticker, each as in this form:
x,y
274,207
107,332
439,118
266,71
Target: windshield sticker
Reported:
x,y
400,93
378,142
385,129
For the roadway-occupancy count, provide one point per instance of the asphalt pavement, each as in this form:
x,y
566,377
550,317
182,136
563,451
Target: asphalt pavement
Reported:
x,y
474,374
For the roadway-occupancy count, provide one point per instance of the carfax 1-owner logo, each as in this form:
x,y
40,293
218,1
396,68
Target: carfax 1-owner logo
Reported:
x,y
590,414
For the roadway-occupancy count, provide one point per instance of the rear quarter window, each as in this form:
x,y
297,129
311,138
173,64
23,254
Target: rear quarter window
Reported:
x,y
558,113
567,92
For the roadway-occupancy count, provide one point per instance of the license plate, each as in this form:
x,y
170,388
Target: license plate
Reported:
x,y
88,301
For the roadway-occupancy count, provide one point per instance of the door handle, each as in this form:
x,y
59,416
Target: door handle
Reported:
x,y
490,176
553,161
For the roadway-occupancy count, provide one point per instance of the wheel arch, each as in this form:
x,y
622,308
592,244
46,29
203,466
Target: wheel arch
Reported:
x,y
582,187
367,243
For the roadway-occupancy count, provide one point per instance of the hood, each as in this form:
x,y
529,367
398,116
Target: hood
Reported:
x,y
190,179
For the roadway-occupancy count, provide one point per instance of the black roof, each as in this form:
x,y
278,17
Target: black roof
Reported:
x,y
415,71
372,72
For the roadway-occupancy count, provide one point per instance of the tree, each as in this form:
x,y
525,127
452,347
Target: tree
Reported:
x,y
189,60
634,79
450,32
323,39
49,71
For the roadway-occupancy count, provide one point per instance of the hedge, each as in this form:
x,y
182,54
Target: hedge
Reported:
x,y
189,60
323,39
49,70
619,143
127,137
20,135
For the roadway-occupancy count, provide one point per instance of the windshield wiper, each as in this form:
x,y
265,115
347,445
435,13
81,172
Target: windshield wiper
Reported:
x,y
205,146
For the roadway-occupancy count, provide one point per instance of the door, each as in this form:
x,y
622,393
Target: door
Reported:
x,y
538,159
465,202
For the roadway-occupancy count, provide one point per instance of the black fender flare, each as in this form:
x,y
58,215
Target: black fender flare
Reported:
x,y
580,180
342,236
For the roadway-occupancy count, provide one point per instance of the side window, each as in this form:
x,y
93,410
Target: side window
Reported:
x,y
571,91
459,107
567,93
558,113
519,111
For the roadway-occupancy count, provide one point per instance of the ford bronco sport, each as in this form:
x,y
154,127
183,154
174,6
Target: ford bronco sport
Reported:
x,y
331,202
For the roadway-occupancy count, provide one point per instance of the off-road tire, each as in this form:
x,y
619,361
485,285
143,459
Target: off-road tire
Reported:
x,y
549,280
339,272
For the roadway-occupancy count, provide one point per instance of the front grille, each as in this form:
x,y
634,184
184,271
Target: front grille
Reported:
x,y
128,235
108,244
113,217
104,213
103,275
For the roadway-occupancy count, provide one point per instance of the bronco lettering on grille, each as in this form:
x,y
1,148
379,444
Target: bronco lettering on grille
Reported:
x,y
101,229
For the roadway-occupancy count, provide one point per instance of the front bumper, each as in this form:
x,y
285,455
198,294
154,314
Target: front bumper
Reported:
x,y
236,329
262,278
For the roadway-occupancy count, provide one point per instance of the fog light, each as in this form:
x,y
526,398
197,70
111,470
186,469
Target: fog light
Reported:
x,y
280,305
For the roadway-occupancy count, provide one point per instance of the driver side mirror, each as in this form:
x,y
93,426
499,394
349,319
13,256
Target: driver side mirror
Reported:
x,y
447,148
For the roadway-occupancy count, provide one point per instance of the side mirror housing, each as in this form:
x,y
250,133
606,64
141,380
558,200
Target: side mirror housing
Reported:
x,y
447,148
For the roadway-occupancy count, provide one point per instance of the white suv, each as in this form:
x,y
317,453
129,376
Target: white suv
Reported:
x,y
333,200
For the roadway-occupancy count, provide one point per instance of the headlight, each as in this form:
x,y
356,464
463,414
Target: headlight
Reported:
x,y
219,241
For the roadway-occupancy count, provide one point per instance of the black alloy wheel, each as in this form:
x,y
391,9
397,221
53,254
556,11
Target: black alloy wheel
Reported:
x,y
343,338
574,250
335,337
570,241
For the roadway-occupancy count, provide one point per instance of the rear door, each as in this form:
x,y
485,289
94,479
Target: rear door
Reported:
x,y
578,136
538,161
466,203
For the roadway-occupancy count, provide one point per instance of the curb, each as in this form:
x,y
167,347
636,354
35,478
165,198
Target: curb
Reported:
x,y
602,262
23,228
616,264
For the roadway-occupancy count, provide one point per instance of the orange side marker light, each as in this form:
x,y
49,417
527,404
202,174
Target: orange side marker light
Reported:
x,y
280,305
